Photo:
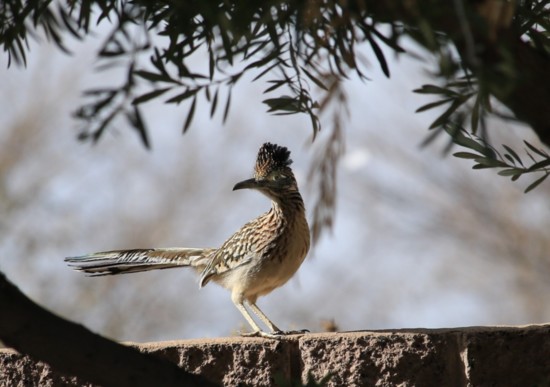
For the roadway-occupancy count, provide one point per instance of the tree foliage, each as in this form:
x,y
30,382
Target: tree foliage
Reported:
x,y
490,53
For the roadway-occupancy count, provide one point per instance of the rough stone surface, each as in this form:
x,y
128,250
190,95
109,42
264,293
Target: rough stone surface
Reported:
x,y
229,361
477,356
22,371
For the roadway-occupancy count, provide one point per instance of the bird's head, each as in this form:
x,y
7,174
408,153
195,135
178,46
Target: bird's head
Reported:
x,y
272,173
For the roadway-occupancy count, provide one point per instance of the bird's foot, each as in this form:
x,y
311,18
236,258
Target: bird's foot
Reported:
x,y
277,335
274,335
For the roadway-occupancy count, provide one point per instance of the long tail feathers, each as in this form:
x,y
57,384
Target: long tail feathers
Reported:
x,y
133,261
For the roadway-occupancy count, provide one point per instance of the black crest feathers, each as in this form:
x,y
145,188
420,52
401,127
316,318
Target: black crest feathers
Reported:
x,y
271,157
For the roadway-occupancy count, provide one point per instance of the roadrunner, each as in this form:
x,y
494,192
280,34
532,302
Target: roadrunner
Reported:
x,y
263,255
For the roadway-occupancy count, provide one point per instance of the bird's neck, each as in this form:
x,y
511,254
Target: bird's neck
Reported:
x,y
289,206
289,215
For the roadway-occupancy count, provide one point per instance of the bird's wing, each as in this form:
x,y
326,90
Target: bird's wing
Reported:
x,y
240,249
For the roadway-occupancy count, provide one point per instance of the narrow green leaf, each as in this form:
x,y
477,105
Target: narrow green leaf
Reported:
x,y
460,139
339,68
284,103
258,47
106,53
68,22
466,155
379,55
103,125
433,89
265,71
153,77
315,124
443,118
512,153
539,165
139,125
491,163
193,75
537,151
485,101
156,60
510,158
262,62
535,183
272,30
227,104
287,113
102,103
190,115
148,96
99,91
392,43
182,96
475,115
481,166
431,105
314,79
214,103
276,85
531,156
211,63
226,43
510,172
462,84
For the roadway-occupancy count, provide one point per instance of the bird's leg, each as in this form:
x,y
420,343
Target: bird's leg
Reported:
x,y
256,329
275,332
261,315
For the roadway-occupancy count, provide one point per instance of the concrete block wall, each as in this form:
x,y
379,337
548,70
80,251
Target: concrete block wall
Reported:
x,y
475,356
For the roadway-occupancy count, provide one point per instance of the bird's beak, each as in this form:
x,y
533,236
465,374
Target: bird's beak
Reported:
x,y
250,184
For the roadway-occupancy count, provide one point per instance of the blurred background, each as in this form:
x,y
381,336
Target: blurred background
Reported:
x,y
419,239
